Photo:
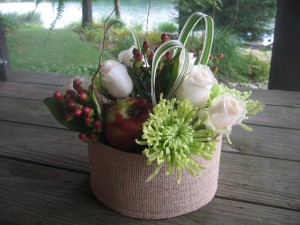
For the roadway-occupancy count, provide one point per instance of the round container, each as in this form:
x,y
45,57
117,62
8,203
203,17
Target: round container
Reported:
x,y
118,180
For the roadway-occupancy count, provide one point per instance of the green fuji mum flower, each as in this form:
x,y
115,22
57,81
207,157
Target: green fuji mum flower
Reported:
x,y
174,136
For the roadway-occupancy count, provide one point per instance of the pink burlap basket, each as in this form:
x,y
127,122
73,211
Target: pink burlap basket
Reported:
x,y
118,181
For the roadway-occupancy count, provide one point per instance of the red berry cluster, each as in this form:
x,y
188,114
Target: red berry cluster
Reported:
x,y
215,61
149,53
79,104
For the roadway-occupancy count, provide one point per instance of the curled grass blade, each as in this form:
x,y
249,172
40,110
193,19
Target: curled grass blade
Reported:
x,y
190,24
160,52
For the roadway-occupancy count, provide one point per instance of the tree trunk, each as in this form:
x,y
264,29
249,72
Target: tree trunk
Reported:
x,y
117,9
87,13
285,62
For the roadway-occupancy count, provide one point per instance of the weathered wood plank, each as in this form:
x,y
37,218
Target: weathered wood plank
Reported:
x,y
247,178
56,147
26,90
35,112
26,111
272,97
258,179
38,77
33,194
64,149
277,116
265,141
37,83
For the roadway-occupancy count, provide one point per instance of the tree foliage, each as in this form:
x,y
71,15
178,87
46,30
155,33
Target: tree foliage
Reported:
x,y
250,19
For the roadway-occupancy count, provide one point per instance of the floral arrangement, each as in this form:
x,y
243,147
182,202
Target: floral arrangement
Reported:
x,y
164,102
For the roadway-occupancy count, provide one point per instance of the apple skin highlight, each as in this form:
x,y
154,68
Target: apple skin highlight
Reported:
x,y
124,123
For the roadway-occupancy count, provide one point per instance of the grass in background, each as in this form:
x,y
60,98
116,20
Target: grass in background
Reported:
x,y
59,50
76,51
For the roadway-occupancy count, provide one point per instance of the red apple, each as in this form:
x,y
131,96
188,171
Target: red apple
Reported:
x,y
124,123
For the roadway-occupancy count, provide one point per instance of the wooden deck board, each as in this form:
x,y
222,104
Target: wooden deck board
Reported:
x,y
62,197
30,144
44,167
24,110
240,176
46,84
265,141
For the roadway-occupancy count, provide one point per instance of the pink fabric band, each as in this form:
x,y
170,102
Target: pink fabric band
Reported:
x,y
118,181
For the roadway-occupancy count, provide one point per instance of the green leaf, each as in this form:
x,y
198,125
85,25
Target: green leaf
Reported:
x,y
140,86
57,109
168,76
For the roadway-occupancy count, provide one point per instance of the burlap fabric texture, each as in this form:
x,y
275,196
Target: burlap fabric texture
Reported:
x,y
118,180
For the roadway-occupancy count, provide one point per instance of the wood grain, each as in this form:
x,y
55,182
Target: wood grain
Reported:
x,y
247,178
35,112
27,90
54,196
21,86
265,141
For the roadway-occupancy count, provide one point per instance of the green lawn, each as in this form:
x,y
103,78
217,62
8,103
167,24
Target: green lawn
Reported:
x,y
59,50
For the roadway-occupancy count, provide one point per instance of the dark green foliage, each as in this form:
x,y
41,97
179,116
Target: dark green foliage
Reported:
x,y
250,19
12,21
57,110
168,27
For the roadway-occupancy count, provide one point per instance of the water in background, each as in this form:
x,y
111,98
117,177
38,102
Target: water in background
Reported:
x,y
132,11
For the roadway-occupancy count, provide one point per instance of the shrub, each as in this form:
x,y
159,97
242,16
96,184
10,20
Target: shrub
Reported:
x,y
168,27
13,21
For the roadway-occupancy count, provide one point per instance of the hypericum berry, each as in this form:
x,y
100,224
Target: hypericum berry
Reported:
x,y
83,96
68,97
146,45
138,57
164,37
92,136
87,111
215,69
169,55
71,92
88,121
68,116
211,57
135,51
78,112
77,84
97,124
151,54
220,56
71,104
58,95
83,137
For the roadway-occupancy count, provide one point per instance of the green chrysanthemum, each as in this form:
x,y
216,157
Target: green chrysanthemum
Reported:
x,y
175,135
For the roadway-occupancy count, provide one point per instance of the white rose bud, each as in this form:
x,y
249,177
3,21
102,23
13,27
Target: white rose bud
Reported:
x,y
126,55
225,111
115,79
196,85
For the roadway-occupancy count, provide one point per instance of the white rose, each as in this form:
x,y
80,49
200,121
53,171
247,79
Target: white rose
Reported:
x,y
225,111
196,85
126,55
115,79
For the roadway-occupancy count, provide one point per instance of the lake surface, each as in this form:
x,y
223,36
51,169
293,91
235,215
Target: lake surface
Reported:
x,y
132,11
